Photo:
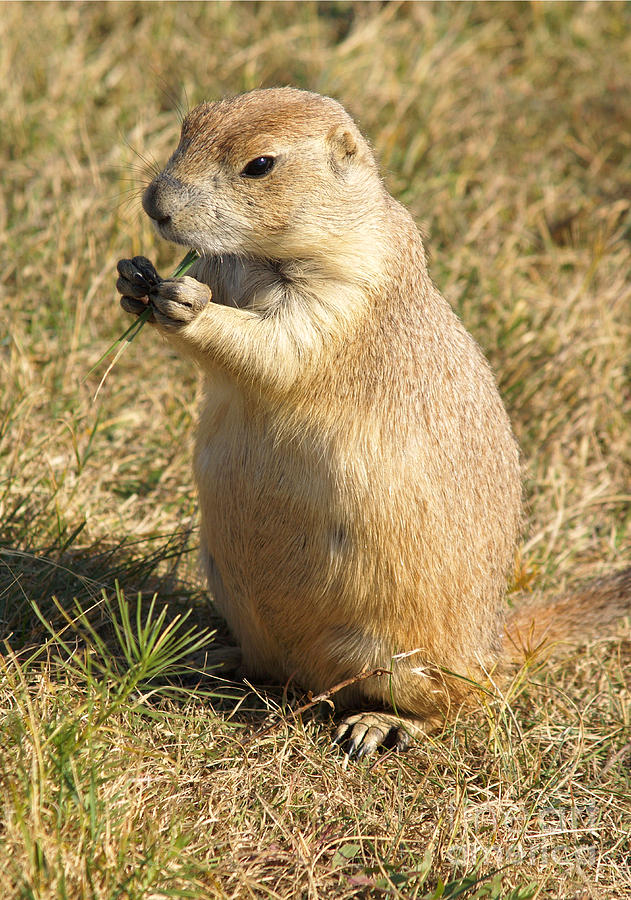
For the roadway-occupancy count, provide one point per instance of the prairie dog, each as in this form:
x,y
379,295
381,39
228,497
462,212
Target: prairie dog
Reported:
x,y
358,479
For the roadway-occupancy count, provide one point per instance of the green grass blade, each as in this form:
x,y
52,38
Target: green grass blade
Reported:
x,y
185,264
125,336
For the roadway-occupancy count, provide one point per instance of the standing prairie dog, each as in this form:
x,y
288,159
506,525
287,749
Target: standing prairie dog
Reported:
x,y
358,479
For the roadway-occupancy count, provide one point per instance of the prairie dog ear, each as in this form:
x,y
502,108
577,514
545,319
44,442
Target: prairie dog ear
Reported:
x,y
343,147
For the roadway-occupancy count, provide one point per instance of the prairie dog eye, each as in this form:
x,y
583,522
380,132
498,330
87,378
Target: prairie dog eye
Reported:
x,y
258,167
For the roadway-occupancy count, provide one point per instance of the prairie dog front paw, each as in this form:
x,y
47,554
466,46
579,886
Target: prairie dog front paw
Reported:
x,y
137,278
176,301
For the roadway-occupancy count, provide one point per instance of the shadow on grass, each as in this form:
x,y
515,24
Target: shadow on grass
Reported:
x,y
36,575
42,590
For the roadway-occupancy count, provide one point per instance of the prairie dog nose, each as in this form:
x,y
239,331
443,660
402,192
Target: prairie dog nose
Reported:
x,y
163,198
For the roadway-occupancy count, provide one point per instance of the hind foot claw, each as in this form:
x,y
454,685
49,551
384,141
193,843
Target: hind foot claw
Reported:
x,y
365,732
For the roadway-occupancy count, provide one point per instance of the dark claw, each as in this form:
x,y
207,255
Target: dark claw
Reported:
x,y
404,740
147,270
340,734
139,273
134,306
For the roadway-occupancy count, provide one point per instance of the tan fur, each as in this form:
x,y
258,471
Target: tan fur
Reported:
x,y
358,479
544,625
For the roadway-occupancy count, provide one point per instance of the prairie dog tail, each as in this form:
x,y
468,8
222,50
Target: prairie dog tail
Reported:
x,y
544,626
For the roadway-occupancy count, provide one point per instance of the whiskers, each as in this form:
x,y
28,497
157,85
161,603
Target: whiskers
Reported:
x,y
134,177
174,102
132,183
137,176
148,164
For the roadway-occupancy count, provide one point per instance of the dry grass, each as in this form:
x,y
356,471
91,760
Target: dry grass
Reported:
x,y
506,128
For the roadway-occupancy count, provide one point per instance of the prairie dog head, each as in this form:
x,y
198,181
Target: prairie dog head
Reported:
x,y
276,173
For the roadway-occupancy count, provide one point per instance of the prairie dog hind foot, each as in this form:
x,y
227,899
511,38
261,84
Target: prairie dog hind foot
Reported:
x,y
363,733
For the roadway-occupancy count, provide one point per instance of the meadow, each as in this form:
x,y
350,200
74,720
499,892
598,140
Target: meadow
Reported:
x,y
126,769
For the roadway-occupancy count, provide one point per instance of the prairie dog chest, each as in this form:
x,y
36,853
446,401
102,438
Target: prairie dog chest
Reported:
x,y
258,479
221,425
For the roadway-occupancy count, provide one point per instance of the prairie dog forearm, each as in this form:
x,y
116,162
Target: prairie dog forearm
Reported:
x,y
252,350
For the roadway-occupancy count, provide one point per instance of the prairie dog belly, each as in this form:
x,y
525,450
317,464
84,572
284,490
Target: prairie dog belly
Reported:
x,y
273,535
327,552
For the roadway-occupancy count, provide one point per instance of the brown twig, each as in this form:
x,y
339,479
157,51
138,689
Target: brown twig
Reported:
x,y
325,696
